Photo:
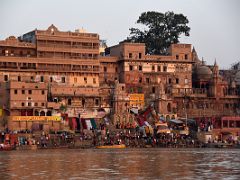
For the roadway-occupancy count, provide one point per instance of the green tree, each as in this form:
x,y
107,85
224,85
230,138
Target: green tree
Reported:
x,y
63,108
162,30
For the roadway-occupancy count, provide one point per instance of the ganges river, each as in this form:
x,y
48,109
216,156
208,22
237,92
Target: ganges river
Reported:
x,y
148,163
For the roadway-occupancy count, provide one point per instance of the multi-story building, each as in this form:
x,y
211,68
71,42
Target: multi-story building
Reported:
x,y
43,72
46,73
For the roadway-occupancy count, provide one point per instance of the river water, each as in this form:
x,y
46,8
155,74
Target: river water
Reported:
x,y
148,163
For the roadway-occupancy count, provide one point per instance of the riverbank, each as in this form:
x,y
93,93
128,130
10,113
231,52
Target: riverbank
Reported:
x,y
131,138
89,145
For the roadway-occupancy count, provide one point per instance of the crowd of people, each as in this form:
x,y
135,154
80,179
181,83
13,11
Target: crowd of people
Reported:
x,y
128,134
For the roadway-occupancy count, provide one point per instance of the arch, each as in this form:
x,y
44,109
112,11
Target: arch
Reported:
x,y
36,113
49,113
173,117
42,113
167,118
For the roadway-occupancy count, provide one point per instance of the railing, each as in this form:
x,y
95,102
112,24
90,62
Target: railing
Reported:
x,y
67,46
75,91
68,34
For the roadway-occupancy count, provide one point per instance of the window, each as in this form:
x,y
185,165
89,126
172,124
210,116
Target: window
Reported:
x,y
140,68
15,91
23,91
177,56
31,78
177,81
19,78
140,55
22,104
153,68
130,68
29,91
225,124
42,79
96,102
140,80
69,101
105,69
153,89
116,69
12,52
63,80
85,80
5,77
36,104
237,124
186,81
165,68
130,55
6,52
43,92
43,104
29,104
186,56
148,80
169,81
159,68
94,80
169,108
122,88
227,105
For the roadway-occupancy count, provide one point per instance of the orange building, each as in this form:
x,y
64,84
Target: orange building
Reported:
x,y
49,72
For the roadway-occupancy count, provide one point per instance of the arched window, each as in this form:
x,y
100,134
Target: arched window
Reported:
x,y
167,118
49,113
36,113
42,113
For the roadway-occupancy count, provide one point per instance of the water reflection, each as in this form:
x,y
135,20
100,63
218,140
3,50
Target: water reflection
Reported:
x,y
121,164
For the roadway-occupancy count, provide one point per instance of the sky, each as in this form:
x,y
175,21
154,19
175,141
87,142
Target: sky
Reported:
x,y
215,24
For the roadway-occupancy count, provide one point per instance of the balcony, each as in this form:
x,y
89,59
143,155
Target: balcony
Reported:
x,y
74,91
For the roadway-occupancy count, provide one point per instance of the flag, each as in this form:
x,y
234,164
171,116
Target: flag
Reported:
x,y
84,125
89,125
93,123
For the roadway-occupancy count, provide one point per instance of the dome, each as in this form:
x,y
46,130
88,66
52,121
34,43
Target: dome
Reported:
x,y
237,78
203,72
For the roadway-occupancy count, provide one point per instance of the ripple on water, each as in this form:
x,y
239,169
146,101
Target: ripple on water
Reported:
x,y
121,164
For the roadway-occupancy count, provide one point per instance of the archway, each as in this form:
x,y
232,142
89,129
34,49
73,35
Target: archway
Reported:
x,y
42,113
36,113
49,113
167,118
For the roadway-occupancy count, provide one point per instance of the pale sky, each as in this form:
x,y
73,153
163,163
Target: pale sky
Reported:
x,y
215,24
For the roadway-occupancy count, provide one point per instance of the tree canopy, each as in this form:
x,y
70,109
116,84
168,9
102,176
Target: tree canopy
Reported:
x,y
162,30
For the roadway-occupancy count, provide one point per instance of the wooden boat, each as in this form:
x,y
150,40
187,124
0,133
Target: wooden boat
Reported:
x,y
114,146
